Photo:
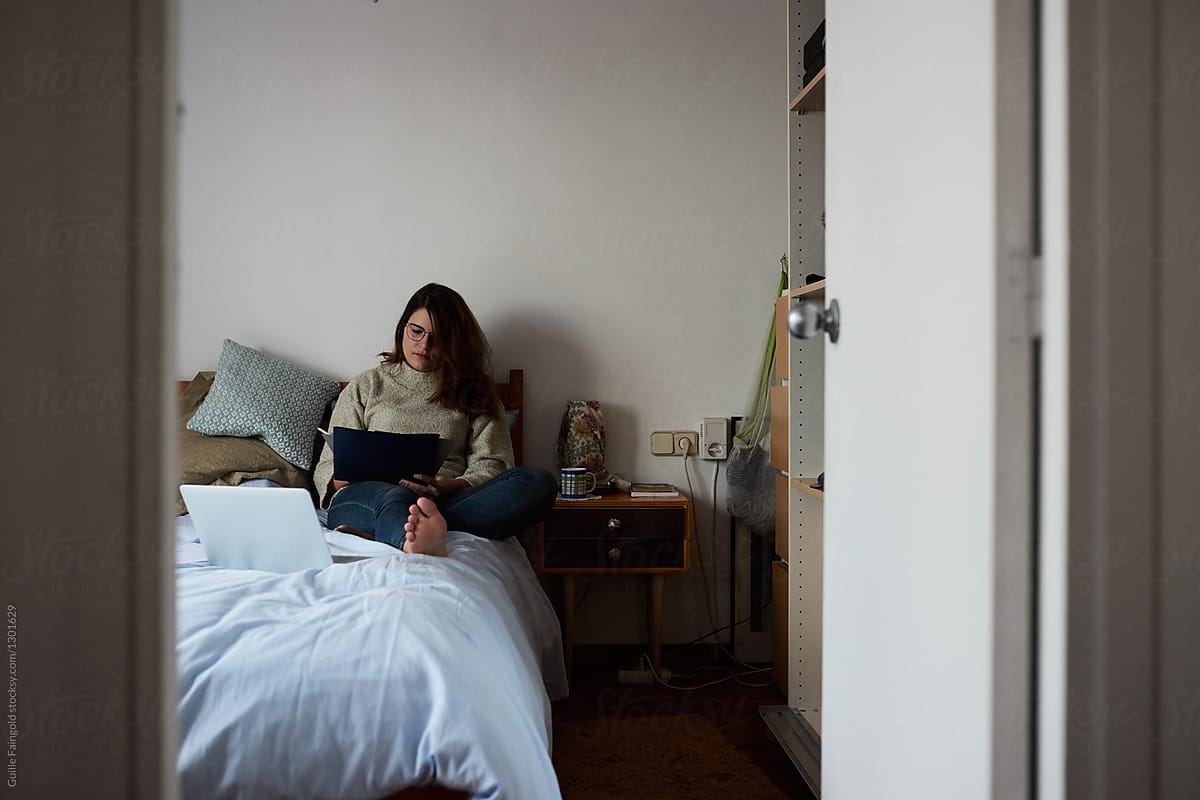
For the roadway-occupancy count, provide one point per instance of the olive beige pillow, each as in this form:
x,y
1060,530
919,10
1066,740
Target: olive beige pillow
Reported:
x,y
268,398
226,460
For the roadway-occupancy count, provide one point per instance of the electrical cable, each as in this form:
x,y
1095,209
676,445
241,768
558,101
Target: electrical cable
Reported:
x,y
587,587
708,605
733,676
708,610
715,631
733,427
713,529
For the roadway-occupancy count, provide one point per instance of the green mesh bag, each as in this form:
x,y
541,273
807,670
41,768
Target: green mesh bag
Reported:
x,y
749,475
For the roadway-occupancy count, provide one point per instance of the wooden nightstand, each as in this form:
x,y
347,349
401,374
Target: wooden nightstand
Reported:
x,y
616,534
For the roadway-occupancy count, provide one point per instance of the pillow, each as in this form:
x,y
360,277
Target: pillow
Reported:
x,y
226,460
257,395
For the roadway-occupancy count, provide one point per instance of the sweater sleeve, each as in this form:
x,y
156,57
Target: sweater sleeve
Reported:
x,y
347,413
490,449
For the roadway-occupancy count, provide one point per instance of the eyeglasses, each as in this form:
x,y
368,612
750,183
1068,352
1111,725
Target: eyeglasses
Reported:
x,y
416,333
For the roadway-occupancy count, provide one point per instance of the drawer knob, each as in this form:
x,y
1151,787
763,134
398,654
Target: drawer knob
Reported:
x,y
614,553
613,523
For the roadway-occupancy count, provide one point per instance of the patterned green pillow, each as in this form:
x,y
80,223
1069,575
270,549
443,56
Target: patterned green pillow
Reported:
x,y
257,395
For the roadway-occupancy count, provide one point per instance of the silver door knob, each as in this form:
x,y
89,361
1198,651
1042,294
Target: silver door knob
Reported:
x,y
614,553
806,319
614,524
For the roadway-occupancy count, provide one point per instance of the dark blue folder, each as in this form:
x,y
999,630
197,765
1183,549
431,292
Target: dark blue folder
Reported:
x,y
382,456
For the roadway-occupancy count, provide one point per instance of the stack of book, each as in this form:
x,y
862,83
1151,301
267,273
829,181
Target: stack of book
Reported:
x,y
652,490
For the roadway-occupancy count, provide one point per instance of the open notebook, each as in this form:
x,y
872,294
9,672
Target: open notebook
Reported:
x,y
382,456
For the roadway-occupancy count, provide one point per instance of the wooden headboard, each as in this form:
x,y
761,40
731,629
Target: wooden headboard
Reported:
x,y
512,394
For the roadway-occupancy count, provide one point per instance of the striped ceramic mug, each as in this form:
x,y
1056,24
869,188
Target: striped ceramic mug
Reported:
x,y
576,482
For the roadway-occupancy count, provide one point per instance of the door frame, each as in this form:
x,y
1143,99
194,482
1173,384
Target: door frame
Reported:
x,y
88,574
1017,332
1118,656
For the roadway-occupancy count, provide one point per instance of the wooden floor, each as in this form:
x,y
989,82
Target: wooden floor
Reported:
x,y
730,705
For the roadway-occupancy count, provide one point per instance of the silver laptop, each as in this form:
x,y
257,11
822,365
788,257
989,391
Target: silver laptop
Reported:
x,y
257,527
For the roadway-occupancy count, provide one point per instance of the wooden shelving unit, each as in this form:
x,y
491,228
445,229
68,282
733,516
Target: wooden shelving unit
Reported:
x,y
811,97
798,450
805,485
817,288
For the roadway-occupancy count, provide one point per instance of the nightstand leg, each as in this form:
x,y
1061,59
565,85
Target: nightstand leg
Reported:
x,y
656,619
568,620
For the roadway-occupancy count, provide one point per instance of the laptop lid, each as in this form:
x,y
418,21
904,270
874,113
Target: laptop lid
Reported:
x,y
256,527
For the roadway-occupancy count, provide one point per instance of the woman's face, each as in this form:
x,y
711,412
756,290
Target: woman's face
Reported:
x,y
420,348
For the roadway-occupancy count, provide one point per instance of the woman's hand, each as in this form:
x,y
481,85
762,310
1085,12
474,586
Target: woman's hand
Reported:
x,y
435,486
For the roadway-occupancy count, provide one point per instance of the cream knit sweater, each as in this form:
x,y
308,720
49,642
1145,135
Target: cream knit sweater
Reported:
x,y
395,398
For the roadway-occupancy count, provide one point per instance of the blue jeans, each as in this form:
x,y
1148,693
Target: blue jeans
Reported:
x,y
509,503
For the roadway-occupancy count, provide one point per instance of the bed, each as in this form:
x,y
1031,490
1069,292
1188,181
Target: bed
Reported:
x,y
391,676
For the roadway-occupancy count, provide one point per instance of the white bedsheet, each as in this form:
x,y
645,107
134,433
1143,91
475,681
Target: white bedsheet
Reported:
x,y
363,678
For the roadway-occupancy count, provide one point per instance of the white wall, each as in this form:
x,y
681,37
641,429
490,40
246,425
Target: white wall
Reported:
x,y
605,183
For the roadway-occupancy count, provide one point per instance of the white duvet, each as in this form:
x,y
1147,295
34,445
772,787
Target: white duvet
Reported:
x,y
364,678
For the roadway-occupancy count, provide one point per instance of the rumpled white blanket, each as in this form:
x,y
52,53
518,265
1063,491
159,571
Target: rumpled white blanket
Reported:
x,y
363,678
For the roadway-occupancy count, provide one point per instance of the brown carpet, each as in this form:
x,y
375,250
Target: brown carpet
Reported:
x,y
681,756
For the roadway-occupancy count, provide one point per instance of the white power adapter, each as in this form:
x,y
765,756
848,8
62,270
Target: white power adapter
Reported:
x,y
714,438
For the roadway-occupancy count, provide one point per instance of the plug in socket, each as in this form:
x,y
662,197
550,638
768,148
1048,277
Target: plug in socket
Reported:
x,y
671,443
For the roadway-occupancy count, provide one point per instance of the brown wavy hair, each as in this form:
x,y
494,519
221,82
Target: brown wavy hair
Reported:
x,y
464,357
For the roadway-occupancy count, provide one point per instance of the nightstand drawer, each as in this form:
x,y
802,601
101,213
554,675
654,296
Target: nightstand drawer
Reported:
x,y
616,536
651,552
630,523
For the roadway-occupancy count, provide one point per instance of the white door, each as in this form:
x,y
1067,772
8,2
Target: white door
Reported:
x,y
927,443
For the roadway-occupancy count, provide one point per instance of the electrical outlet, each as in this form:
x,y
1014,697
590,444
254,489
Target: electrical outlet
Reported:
x,y
687,443
672,443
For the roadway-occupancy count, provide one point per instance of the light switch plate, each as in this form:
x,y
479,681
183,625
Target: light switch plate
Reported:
x,y
662,443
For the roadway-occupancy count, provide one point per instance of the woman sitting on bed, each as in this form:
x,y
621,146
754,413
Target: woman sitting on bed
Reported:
x,y
436,380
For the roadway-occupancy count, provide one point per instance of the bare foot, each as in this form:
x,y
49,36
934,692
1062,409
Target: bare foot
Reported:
x,y
426,529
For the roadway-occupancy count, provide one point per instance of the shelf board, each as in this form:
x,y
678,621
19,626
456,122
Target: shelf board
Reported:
x,y
812,96
811,288
803,485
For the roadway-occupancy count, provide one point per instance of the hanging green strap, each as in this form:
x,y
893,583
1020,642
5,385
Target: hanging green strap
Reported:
x,y
752,430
